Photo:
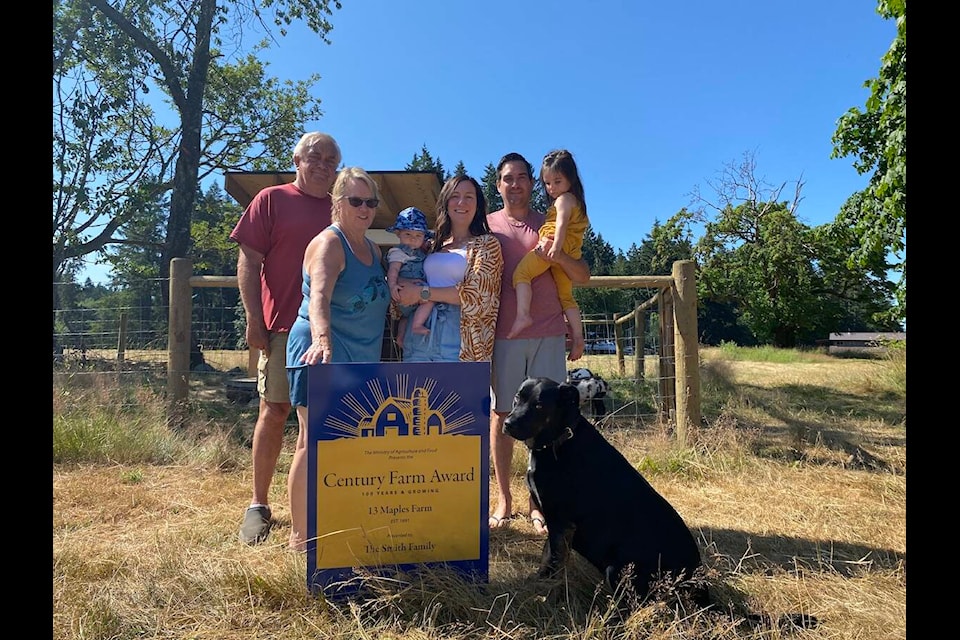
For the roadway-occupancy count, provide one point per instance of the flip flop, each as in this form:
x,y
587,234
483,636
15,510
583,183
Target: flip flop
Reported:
x,y
539,525
495,523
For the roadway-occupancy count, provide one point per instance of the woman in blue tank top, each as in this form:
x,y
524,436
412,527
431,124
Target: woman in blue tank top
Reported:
x,y
342,316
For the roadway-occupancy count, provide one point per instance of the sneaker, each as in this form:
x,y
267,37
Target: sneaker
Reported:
x,y
256,525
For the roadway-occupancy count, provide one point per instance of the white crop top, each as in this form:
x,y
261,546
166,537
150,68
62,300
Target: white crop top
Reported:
x,y
446,268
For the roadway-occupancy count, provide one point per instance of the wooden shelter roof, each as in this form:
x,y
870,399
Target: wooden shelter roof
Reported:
x,y
398,190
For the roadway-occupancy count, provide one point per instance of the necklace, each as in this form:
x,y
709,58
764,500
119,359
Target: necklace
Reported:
x,y
514,222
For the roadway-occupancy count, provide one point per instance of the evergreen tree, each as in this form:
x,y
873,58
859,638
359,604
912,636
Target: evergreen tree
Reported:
x,y
424,161
490,193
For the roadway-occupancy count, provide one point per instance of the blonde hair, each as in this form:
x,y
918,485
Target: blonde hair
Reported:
x,y
340,187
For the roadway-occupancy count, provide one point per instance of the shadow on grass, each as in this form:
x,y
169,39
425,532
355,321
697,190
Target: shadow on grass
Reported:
x,y
515,601
805,415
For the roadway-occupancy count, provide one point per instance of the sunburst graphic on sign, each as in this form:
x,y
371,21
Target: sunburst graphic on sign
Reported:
x,y
409,408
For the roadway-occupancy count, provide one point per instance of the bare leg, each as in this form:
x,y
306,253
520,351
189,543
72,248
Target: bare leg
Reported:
x,y
420,317
297,486
502,447
267,444
536,518
523,319
575,325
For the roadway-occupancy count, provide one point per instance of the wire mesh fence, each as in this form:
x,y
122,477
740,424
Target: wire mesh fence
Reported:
x,y
626,375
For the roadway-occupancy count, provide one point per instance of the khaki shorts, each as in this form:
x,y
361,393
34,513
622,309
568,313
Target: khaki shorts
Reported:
x,y
516,360
272,382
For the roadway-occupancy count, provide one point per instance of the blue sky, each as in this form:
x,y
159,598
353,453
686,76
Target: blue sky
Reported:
x,y
652,98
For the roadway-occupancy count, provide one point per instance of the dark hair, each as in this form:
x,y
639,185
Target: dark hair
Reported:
x,y
513,156
478,226
561,161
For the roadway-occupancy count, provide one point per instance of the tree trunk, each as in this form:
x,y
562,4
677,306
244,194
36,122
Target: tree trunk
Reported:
x,y
186,175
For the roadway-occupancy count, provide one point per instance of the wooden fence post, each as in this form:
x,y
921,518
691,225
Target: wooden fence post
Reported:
x,y
178,341
639,357
122,340
686,347
617,339
666,372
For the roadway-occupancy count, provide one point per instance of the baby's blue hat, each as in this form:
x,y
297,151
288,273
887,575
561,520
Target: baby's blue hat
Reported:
x,y
411,219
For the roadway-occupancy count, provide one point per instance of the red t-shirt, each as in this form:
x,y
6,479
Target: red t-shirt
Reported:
x,y
279,223
515,242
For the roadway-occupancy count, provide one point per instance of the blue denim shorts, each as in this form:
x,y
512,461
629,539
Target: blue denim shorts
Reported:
x,y
442,344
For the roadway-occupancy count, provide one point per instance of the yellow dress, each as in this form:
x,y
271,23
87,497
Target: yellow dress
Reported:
x,y
532,265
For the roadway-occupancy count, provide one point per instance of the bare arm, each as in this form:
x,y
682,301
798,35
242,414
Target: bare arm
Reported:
x,y
249,263
409,292
563,205
393,273
323,260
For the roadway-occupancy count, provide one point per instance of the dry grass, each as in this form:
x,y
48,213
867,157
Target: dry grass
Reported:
x,y
790,519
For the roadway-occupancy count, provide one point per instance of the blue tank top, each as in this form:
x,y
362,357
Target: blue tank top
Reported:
x,y
358,307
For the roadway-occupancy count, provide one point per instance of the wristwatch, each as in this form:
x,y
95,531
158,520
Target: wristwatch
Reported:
x,y
425,293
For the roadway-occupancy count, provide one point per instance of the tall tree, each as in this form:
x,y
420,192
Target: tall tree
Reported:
x,y
490,193
539,200
227,113
754,256
877,137
854,296
424,161
109,156
781,280
757,255
665,244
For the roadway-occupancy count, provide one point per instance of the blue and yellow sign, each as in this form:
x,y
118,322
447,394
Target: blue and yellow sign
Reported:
x,y
397,469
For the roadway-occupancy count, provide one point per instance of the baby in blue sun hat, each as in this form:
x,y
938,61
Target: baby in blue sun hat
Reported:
x,y
406,261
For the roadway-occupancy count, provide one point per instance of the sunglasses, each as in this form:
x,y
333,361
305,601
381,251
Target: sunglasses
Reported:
x,y
371,203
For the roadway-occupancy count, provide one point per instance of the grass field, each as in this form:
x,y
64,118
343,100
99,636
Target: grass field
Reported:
x,y
795,489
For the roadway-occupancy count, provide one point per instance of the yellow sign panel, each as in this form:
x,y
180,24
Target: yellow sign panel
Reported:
x,y
392,500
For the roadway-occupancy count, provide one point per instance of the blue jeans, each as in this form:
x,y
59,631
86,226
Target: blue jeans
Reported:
x,y
442,344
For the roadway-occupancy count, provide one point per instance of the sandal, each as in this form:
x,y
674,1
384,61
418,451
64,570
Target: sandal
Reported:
x,y
539,525
496,522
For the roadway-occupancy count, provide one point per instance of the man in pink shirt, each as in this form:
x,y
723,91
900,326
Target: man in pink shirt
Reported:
x,y
540,349
273,234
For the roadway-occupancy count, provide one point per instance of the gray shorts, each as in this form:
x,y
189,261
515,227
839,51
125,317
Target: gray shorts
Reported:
x,y
516,360
272,380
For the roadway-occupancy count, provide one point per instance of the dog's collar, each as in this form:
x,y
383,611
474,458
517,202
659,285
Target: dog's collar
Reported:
x,y
565,435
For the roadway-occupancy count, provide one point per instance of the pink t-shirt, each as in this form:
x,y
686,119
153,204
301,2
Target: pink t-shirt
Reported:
x,y
515,242
279,223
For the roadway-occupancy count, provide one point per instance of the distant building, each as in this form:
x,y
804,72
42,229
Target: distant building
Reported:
x,y
846,341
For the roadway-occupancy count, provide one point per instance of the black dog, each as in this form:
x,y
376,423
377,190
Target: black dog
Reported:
x,y
593,500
